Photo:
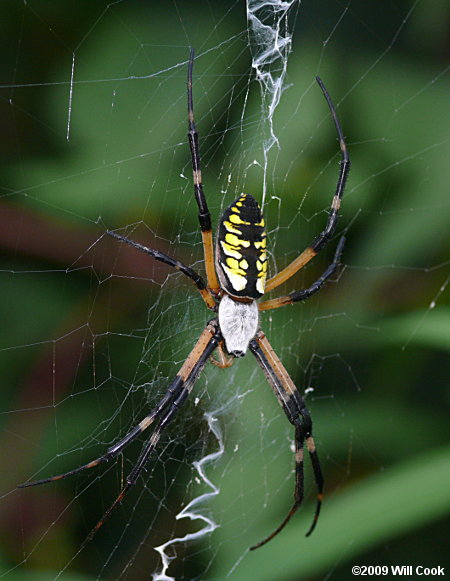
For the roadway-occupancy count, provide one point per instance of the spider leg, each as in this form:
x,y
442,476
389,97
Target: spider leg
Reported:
x,y
188,374
223,359
186,270
178,389
114,450
325,236
203,213
297,413
143,458
302,295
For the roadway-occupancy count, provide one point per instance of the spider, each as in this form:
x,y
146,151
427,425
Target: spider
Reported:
x,y
236,277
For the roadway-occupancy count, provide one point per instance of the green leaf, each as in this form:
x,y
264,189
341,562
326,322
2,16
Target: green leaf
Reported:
x,y
428,328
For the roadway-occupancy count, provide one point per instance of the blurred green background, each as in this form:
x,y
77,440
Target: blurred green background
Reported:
x,y
91,332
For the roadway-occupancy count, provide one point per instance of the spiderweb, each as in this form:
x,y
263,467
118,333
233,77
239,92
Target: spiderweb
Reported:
x,y
93,100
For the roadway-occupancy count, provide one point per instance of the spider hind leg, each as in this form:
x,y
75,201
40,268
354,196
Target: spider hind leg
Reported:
x,y
297,413
170,403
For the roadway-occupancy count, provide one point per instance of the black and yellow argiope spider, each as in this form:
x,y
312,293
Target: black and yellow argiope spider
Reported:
x,y
235,279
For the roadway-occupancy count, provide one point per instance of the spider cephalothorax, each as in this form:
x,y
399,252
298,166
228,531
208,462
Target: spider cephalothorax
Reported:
x,y
235,279
238,324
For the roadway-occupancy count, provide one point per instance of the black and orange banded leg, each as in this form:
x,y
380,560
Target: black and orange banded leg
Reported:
x,y
302,295
297,413
203,213
325,236
175,396
172,392
186,270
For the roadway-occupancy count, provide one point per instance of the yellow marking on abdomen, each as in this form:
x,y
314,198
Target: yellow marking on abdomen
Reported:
x,y
261,283
237,281
235,241
238,220
230,250
243,264
234,266
229,227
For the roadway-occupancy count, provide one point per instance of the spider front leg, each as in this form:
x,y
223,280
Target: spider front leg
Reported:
x,y
203,212
186,270
297,413
325,236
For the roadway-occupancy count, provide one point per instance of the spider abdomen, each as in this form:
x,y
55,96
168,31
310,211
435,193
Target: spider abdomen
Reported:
x,y
241,257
